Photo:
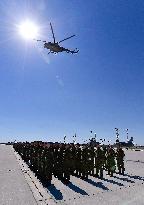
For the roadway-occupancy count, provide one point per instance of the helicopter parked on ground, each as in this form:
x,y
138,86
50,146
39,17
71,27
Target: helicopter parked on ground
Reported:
x,y
54,46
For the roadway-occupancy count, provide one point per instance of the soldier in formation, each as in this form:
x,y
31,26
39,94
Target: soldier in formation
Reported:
x,y
110,161
63,160
99,162
120,160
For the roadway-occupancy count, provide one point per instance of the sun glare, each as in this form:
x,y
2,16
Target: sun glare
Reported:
x,y
28,30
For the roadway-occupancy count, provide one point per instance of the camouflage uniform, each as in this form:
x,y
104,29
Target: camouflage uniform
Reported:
x,y
60,163
48,164
33,165
73,159
105,155
78,161
56,163
85,164
67,164
91,160
120,160
111,161
100,160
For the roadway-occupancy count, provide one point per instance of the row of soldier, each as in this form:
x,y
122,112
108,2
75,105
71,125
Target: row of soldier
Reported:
x,y
63,160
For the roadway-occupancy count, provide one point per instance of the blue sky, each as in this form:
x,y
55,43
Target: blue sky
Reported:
x,y
44,97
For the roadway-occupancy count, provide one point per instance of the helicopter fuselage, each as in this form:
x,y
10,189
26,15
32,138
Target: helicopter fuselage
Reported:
x,y
53,47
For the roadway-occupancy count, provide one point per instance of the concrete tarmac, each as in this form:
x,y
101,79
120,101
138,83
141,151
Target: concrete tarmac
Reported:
x,y
20,186
14,190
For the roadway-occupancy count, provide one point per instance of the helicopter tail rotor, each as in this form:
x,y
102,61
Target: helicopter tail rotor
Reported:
x,y
75,51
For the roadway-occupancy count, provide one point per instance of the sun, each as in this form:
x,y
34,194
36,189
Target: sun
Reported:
x,y
28,29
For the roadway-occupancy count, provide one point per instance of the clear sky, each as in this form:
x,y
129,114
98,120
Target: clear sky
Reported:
x,y
44,97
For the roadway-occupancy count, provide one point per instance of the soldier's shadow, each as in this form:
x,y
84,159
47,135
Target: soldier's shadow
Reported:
x,y
136,161
112,181
134,177
76,188
124,179
97,184
55,192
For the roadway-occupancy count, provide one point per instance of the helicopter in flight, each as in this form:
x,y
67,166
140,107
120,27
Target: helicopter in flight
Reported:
x,y
54,46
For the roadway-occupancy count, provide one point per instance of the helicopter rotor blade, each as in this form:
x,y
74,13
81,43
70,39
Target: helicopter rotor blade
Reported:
x,y
52,31
39,40
66,38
